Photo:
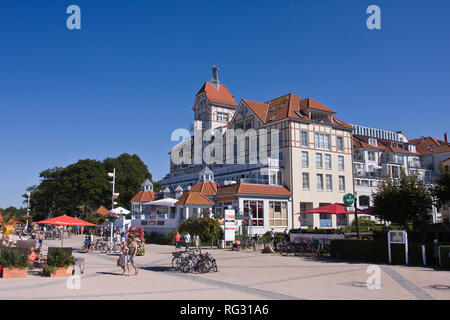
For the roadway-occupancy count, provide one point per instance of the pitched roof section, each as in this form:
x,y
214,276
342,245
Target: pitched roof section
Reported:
x,y
222,96
101,210
253,189
258,108
430,145
290,106
144,196
206,188
194,198
310,103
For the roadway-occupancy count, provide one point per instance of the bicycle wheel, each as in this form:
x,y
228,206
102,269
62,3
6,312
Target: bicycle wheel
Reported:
x,y
202,267
104,248
117,248
214,266
176,263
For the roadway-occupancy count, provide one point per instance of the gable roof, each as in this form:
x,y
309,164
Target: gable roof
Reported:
x,y
310,103
101,210
206,188
144,196
222,95
423,145
194,198
259,189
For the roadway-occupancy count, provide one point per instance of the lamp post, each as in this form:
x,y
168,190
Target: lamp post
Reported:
x,y
114,196
28,209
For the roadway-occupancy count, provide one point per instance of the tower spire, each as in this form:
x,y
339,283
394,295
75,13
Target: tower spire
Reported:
x,y
215,79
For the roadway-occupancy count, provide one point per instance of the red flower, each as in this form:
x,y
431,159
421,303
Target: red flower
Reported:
x,y
16,266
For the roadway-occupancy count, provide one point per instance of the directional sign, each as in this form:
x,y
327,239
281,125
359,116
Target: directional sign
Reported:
x,y
349,199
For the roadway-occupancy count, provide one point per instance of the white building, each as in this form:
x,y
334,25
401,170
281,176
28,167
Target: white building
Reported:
x,y
311,157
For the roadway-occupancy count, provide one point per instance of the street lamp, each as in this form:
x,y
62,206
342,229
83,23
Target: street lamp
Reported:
x,y
114,196
28,209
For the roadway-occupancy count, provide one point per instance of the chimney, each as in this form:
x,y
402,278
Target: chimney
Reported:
x,y
446,138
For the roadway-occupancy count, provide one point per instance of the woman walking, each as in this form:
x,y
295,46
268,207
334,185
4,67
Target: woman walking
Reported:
x,y
123,259
176,239
132,251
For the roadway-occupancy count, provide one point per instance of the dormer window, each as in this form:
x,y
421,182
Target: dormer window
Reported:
x,y
373,142
411,148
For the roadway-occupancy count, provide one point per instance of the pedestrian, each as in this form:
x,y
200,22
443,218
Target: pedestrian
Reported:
x,y
91,241
187,239
132,251
286,233
197,242
86,243
272,235
82,230
41,238
176,239
101,232
123,259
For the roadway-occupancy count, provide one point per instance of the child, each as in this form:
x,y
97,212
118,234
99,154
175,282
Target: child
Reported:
x,y
86,243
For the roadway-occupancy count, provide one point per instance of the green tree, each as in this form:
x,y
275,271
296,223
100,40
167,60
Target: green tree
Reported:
x,y
130,173
403,201
208,229
441,189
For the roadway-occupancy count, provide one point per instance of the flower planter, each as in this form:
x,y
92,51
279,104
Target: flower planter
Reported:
x,y
62,272
14,273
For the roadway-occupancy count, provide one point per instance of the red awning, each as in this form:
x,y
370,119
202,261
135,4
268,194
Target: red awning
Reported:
x,y
67,221
330,209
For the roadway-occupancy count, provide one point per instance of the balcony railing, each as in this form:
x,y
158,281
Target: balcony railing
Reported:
x,y
365,174
359,158
392,160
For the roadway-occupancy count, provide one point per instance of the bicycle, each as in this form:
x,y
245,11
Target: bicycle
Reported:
x,y
110,247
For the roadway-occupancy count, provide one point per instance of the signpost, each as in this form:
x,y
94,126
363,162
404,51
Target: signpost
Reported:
x,y
397,237
230,225
349,200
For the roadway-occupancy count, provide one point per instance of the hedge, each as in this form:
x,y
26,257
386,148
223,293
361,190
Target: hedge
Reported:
x,y
377,251
445,256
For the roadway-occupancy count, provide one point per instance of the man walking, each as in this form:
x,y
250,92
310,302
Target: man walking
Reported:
x,y
187,240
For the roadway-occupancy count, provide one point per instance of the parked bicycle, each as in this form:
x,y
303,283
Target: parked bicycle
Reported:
x,y
187,261
109,247
252,242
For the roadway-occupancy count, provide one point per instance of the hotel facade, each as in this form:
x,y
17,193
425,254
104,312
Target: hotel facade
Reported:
x,y
306,158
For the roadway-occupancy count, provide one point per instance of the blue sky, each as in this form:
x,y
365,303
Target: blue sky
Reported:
x,y
128,78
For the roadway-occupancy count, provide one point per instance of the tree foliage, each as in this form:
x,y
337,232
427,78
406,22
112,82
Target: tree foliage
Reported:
x,y
208,229
441,190
72,189
130,173
403,201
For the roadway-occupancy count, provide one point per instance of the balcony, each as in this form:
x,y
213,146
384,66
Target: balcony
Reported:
x,y
392,160
359,158
366,174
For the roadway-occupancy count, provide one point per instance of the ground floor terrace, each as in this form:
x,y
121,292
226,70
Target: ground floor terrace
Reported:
x,y
244,275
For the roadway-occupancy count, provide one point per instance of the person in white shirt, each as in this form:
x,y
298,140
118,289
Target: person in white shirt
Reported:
x,y
187,240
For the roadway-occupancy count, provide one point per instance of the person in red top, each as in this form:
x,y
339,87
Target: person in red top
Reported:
x,y
177,241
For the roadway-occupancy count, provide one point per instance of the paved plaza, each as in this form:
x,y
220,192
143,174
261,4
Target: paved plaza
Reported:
x,y
242,275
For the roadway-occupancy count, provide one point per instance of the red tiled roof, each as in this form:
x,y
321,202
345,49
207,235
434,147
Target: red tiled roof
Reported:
x,y
101,210
423,145
253,189
310,103
206,188
194,198
144,196
222,96
258,108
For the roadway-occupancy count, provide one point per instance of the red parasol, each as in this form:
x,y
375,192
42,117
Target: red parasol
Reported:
x,y
66,221
330,209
